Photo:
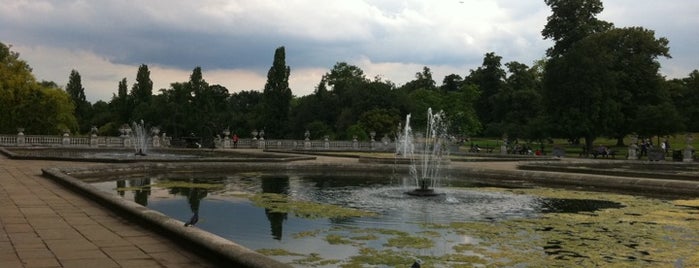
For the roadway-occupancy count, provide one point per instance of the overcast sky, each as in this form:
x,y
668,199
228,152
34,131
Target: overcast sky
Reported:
x,y
234,40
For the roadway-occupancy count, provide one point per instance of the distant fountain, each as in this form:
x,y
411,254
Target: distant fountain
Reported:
x,y
426,162
140,138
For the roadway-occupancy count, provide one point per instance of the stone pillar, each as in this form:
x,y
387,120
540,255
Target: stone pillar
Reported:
x,y
226,139
307,140
688,155
126,141
156,141
93,140
355,143
326,142
20,137
66,138
632,152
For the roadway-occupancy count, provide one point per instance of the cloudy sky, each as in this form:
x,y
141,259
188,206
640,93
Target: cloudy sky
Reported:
x,y
234,40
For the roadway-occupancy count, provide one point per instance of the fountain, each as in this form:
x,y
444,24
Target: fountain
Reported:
x,y
425,164
140,138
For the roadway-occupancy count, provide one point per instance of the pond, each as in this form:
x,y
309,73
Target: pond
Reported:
x,y
348,221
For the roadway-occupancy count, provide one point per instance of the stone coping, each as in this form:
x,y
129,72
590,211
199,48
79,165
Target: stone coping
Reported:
x,y
243,157
225,252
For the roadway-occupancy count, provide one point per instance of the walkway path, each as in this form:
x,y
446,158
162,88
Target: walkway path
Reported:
x,y
43,224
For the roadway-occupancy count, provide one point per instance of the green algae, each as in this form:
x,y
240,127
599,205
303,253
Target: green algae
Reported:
x,y
334,239
314,259
305,234
277,252
283,204
407,241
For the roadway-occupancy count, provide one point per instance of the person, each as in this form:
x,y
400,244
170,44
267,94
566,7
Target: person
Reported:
x,y
235,140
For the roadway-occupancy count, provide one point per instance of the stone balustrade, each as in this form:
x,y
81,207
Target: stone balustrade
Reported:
x,y
223,143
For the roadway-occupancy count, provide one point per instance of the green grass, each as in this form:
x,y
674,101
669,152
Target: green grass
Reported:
x,y
677,142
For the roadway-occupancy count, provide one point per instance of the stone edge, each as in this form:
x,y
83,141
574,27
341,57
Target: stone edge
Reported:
x,y
225,251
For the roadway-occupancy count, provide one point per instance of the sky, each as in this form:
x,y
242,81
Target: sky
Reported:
x,y
233,41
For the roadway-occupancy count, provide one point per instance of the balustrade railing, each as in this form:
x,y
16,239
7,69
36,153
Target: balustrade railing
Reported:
x,y
116,142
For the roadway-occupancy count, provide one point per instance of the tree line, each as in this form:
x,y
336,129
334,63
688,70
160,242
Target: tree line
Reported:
x,y
596,81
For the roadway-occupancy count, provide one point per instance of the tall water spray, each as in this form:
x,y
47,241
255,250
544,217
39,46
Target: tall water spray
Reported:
x,y
427,160
140,138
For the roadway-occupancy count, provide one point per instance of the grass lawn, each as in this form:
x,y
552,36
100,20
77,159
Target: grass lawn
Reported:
x,y
677,142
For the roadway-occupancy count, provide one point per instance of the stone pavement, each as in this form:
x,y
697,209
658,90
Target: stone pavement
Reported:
x,y
43,224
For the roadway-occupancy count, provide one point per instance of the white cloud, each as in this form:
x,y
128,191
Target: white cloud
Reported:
x,y
234,40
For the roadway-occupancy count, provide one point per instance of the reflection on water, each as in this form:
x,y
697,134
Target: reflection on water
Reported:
x,y
275,185
223,210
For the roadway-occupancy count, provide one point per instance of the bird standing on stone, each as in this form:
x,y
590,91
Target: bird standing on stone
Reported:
x,y
416,264
193,220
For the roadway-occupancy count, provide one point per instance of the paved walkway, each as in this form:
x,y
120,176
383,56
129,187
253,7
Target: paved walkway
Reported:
x,y
43,224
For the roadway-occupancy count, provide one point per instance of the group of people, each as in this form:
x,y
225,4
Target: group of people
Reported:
x,y
647,145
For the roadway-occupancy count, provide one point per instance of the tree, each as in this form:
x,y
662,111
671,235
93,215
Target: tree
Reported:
x,y
38,108
578,101
423,80
636,80
518,104
120,105
277,96
685,97
382,121
451,83
142,90
570,22
82,106
489,78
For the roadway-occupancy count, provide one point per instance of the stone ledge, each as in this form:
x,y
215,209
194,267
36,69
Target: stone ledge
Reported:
x,y
225,252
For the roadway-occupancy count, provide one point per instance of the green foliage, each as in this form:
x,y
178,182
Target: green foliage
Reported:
x,y
38,108
489,78
608,84
276,96
142,90
383,121
572,21
684,94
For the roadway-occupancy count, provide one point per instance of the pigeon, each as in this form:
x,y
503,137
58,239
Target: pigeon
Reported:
x,y
416,264
193,220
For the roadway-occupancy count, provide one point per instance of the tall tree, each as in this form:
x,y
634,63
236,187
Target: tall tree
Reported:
x,y
489,78
77,95
576,100
142,90
570,22
637,83
277,96
140,96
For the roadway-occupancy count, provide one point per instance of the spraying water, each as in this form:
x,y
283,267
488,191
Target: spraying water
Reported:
x,y
140,138
426,162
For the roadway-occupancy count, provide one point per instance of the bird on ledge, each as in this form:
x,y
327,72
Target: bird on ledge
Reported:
x,y
192,221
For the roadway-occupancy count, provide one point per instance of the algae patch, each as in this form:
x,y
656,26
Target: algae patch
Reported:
x,y
283,204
